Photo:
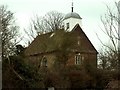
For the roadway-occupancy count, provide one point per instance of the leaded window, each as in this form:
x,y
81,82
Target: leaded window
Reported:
x,y
78,59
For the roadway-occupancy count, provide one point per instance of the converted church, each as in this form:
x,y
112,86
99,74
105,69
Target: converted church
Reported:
x,y
70,46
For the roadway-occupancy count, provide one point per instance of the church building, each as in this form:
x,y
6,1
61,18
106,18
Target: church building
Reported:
x,y
81,51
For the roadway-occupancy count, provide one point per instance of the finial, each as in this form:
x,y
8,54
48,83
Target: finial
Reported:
x,y
72,5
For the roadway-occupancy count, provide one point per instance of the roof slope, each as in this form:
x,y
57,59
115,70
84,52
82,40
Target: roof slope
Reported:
x,y
85,43
61,40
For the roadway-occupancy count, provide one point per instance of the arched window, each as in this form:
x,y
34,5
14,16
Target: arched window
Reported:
x,y
44,62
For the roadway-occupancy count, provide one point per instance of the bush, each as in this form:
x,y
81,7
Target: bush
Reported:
x,y
31,78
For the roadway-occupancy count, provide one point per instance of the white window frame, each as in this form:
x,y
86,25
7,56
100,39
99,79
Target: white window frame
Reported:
x,y
78,59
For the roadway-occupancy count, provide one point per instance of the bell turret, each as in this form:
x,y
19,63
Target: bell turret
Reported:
x,y
71,19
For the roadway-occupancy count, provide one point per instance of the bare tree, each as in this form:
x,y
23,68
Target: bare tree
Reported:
x,y
8,31
0,40
108,60
50,22
110,21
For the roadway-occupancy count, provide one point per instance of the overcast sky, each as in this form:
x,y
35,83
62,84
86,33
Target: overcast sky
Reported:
x,y
89,10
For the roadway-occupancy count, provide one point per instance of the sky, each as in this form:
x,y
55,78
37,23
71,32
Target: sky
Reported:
x,y
89,10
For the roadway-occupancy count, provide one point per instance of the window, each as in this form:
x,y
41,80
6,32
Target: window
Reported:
x,y
78,59
67,25
44,62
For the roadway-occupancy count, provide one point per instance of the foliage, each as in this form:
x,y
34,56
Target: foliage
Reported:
x,y
29,73
19,50
79,78
113,84
108,60
9,78
63,42
66,77
103,77
20,74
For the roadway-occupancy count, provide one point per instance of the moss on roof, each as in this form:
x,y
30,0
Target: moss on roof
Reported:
x,y
59,40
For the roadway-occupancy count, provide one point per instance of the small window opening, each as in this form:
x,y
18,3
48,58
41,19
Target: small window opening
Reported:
x,y
67,25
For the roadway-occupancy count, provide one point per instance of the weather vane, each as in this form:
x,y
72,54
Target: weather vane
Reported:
x,y
72,5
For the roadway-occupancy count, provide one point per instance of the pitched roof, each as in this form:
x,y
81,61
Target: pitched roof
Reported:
x,y
46,42
59,40
86,44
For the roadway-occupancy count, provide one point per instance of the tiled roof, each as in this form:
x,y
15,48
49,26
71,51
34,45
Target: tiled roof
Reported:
x,y
61,40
